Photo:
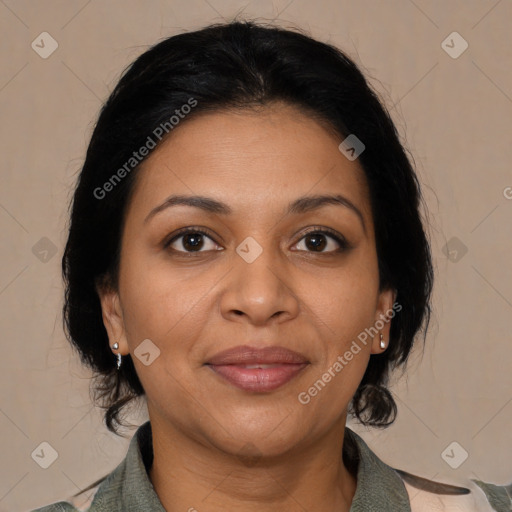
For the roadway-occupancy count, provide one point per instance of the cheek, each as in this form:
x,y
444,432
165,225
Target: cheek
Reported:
x,y
167,309
347,301
347,310
170,307
156,297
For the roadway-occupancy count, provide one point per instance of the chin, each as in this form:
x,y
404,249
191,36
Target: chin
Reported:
x,y
256,435
250,448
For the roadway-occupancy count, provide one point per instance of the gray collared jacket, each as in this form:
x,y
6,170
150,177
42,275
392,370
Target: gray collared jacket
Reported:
x,y
380,488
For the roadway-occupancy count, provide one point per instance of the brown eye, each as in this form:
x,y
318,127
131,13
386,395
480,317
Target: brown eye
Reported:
x,y
316,242
191,240
322,241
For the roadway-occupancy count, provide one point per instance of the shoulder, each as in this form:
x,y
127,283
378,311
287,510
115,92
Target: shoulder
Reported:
x,y
80,503
378,482
61,506
474,496
126,487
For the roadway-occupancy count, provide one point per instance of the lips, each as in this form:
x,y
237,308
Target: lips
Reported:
x,y
258,370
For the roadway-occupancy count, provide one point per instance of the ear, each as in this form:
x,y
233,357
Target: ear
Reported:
x,y
383,315
112,314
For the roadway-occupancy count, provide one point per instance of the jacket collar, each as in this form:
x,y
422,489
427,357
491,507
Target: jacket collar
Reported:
x,y
379,487
129,489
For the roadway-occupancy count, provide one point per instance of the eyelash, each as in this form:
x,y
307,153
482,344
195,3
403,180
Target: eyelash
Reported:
x,y
341,241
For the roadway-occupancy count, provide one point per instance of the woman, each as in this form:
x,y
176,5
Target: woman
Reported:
x,y
246,252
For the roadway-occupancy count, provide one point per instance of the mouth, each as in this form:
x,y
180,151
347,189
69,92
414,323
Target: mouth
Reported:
x,y
258,370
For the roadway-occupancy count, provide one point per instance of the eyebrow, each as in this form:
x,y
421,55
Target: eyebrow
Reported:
x,y
301,205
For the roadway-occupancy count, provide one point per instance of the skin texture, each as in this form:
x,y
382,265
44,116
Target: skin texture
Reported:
x,y
217,447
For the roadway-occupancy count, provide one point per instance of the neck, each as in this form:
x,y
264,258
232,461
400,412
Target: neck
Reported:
x,y
189,475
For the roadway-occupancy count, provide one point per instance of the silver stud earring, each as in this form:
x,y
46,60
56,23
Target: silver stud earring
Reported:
x,y
382,342
115,346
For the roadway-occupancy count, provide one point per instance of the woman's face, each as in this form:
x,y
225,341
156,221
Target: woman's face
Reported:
x,y
258,274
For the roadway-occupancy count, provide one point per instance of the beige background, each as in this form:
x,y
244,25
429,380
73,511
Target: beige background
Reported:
x,y
456,117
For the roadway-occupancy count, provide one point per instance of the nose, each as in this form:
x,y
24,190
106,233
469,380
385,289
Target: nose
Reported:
x,y
259,292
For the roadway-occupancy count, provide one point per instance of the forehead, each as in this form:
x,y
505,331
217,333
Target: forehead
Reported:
x,y
253,160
